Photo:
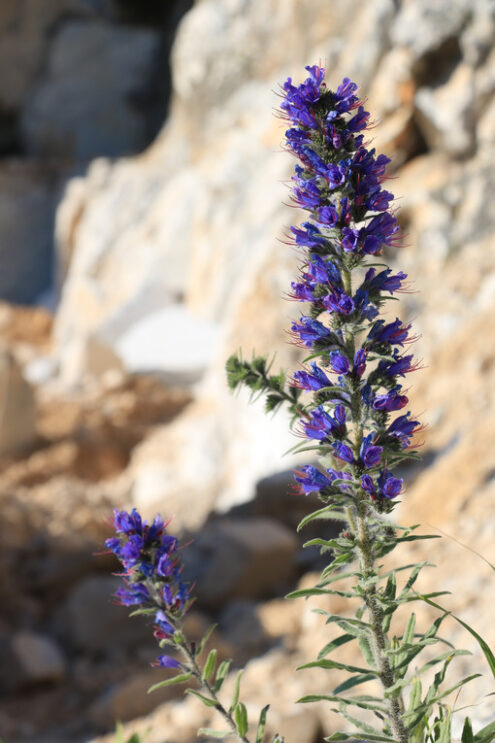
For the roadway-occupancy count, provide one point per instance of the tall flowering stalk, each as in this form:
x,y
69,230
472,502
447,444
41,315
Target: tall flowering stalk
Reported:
x,y
349,404
153,585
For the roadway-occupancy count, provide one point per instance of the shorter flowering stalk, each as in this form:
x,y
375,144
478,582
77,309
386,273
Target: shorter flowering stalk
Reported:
x,y
152,582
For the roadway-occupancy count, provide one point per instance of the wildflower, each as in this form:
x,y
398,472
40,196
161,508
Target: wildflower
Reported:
x,y
152,577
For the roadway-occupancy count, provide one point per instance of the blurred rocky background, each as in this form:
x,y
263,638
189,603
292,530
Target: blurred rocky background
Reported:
x,y
142,201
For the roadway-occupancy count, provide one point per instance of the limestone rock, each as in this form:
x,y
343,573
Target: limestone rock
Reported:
x,y
241,559
30,659
446,115
95,624
94,71
130,699
17,406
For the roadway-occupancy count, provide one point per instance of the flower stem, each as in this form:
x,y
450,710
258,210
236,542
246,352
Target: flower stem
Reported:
x,y
376,621
195,670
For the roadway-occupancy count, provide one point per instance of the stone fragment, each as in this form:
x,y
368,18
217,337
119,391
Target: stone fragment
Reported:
x,y
30,659
94,623
130,699
230,559
17,406
445,113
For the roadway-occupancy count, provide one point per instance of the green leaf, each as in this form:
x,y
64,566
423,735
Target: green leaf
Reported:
x,y
214,733
137,612
486,735
361,702
206,700
329,664
415,537
353,681
330,646
222,672
408,635
366,650
237,689
353,736
328,512
241,720
210,664
204,640
391,587
481,642
181,678
467,732
260,732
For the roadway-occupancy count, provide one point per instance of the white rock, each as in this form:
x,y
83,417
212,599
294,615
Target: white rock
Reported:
x,y
170,342
446,114
17,407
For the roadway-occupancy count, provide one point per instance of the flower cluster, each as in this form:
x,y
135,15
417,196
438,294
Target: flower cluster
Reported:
x,y
152,573
356,357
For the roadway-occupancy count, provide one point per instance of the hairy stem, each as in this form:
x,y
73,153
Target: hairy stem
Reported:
x,y
360,526
211,692
376,621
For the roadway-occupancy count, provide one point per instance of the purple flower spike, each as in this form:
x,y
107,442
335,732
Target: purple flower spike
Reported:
x,y
338,180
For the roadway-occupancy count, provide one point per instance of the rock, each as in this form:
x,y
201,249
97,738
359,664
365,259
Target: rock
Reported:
x,y
243,629
94,72
23,40
130,699
424,26
445,114
18,418
240,559
30,659
26,222
96,625
185,349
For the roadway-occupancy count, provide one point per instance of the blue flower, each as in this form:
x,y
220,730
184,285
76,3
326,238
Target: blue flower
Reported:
x,y
311,479
370,454
315,381
390,401
339,182
310,330
339,363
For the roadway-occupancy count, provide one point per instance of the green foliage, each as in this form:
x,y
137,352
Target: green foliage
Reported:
x,y
256,376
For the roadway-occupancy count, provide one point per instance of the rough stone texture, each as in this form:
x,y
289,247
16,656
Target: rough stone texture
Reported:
x,y
83,105
29,659
130,699
27,204
241,559
17,406
90,617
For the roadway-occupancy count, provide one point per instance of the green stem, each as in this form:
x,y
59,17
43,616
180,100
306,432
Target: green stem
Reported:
x,y
359,524
195,670
379,643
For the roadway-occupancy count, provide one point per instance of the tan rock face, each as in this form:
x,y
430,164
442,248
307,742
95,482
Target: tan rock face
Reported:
x,y
17,416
